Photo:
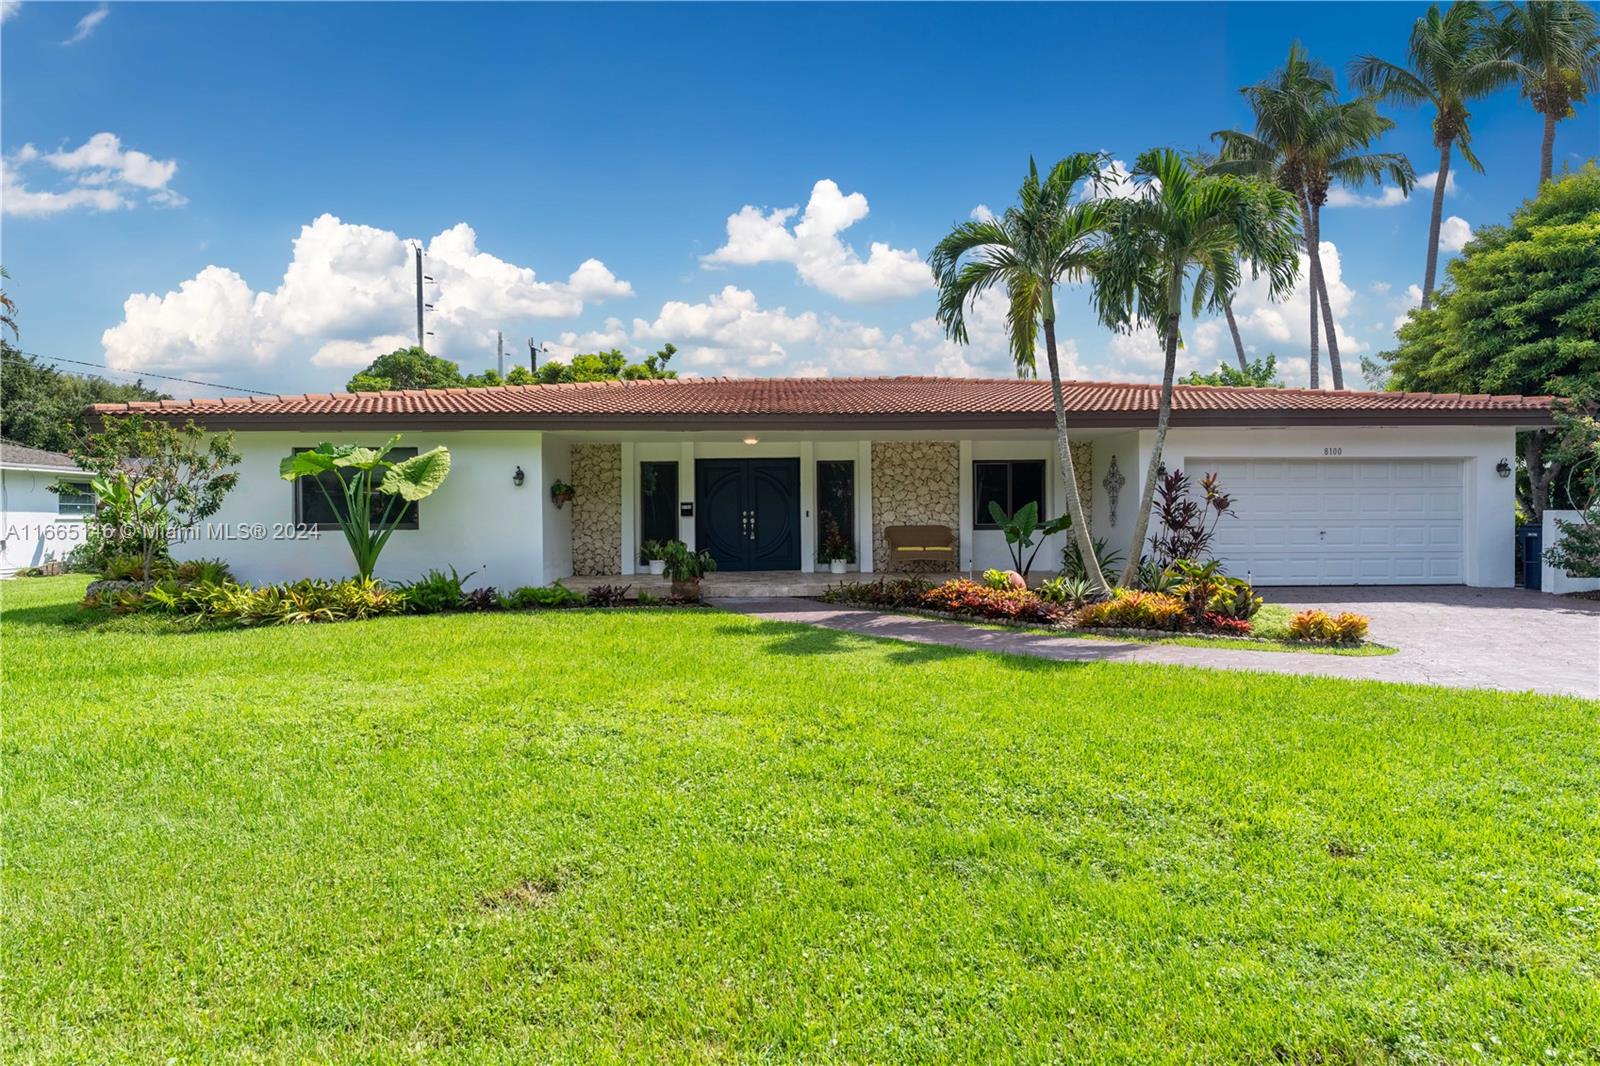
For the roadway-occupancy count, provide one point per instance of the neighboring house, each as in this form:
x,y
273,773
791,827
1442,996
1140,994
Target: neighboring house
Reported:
x,y
1330,487
39,525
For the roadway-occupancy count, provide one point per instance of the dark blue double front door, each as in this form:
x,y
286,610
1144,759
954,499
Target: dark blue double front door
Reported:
x,y
747,512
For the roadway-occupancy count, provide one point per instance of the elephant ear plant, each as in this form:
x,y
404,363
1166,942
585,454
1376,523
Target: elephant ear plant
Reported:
x,y
1021,529
360,473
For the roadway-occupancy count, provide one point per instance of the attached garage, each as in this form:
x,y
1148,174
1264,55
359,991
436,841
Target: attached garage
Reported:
x,y
1344,522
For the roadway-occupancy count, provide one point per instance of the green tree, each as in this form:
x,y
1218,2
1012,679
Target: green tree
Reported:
x,y
1183,222
1306,140
44,408
407,368
1256,374
152,477
1454,57
350,478
8,308
607,366
1555,46
1519,313
1048,238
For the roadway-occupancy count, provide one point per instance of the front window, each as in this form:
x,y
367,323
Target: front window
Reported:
x,y
1011,483
314,499
836,504
74,500
658,502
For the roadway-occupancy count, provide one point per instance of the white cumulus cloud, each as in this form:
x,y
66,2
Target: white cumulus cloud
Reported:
x,y
9,9
1454,233
813,246
99,174
1389,195
346,296
88,24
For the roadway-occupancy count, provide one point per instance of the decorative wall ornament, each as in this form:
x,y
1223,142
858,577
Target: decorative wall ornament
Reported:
x,y
1113,486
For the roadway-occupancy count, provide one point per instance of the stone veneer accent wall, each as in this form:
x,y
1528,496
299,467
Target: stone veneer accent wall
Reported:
x,y
914,483
1083,468
596,509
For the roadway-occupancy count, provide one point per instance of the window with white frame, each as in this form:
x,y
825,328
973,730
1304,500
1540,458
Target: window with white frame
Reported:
x,y
74,499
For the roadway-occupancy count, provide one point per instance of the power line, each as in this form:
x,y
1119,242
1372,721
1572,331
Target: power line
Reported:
x,y
147,374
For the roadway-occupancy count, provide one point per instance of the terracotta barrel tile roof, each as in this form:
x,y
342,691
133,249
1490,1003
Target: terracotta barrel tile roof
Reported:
x,y
842,403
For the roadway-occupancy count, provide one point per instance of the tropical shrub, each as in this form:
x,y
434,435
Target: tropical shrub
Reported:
x,y
435,591
1072,563
484,598
540,596
1198,583
362,475
298,602
1234,598
1133,609
1066,591
1021,528
966,597
1004,579
884,592
1152,576
1226,624
607,595
685,565
1318,627
212,571
1185,525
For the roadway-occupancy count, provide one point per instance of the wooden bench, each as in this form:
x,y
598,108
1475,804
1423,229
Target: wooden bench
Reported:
x,y
915,544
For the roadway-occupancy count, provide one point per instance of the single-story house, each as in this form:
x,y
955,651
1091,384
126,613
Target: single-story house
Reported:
x,y
39,526
1329,487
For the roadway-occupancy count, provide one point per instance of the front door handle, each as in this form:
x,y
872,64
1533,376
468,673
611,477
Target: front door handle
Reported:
x,y
752,525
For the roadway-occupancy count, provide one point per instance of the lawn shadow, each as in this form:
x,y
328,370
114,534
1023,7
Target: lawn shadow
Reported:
x,y
1019,649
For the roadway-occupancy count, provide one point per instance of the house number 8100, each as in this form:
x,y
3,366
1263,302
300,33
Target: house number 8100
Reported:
x,y
1333,451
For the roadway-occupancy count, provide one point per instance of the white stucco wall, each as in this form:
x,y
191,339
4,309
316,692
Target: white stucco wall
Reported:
x,y
557,456
1554,580
477,521
33,531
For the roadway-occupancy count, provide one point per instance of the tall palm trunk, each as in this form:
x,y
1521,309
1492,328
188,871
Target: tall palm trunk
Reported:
x,y
1547,150
1322,299
1312,259
1080,521
1433,225
1147,490
1238,341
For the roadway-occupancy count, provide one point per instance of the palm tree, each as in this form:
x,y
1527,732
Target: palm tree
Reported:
x,y
1185,222
1306,139
1452,59
8,309
1555,45
1206,292
1047,239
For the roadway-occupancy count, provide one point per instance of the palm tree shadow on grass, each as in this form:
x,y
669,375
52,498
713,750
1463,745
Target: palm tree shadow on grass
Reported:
x,y
798,638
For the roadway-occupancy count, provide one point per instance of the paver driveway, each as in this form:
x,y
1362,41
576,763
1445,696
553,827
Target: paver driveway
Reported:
x,y
1465,638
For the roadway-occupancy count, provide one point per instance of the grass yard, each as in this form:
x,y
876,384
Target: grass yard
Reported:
x,y
626,836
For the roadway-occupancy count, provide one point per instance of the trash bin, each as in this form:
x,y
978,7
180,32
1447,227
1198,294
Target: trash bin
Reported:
x,y
1530,542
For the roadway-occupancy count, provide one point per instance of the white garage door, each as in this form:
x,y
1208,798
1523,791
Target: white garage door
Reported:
x,y
1341,522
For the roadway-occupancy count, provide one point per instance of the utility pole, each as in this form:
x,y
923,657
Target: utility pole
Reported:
x,y
500,354
533,355
420,342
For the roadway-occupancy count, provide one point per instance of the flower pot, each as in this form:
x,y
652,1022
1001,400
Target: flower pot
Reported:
x,y
561,499
657,567
688,589
836,566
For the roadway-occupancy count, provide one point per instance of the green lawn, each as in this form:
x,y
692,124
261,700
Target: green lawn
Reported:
x,y
632,836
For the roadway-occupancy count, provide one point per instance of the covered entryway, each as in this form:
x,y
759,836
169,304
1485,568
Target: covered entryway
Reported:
x,y
1342,522
748,512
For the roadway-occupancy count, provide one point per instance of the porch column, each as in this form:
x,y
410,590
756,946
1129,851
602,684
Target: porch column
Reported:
x,y
864,506
808,508
534,495
686,492
630,507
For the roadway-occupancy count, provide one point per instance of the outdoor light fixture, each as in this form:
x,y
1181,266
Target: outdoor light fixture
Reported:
x,y
1503,468
518,478
752,440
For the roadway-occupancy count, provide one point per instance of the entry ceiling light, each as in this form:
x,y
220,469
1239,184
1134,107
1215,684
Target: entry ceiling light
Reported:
x,y
752,440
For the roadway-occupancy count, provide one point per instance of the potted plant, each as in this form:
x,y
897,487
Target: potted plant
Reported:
x,y
650,555
561,492
835,550
685,568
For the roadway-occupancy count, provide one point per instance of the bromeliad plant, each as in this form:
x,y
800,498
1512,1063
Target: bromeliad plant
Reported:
x,y
363,475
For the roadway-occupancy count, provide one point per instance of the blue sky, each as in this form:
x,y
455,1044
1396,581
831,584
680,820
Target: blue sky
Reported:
x,y
223,191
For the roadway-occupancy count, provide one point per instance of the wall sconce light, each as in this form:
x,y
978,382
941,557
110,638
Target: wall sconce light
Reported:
x,y
518,478
752,440
1503,468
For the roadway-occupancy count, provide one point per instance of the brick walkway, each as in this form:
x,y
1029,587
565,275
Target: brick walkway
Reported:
x,y
1459,637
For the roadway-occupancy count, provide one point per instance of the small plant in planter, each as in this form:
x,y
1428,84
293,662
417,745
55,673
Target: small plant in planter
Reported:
x,y
835,551
650,553
685,568
561,493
